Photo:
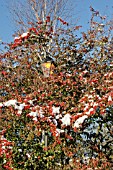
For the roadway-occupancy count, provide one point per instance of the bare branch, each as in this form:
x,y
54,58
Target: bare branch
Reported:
x,y
31,11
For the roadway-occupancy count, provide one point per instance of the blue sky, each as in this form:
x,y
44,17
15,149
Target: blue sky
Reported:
x,y
82,12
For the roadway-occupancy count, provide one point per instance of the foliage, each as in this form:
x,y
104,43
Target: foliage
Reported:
x,y
62,120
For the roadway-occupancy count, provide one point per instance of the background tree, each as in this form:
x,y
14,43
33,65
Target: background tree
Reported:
x,y
34,11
